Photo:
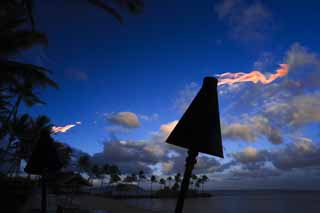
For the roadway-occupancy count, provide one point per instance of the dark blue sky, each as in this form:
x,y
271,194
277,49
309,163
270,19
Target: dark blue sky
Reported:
x,y
153,64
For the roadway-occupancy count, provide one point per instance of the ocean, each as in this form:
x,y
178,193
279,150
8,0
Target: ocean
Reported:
x,y
261,201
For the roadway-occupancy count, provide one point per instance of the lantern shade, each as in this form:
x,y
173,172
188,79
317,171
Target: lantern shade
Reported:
x,y
199,128
44,158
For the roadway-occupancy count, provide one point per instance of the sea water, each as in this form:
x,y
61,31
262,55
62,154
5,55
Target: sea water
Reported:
x,y
241,202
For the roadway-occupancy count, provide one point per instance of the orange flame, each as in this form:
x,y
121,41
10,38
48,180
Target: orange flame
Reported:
x,y
255,76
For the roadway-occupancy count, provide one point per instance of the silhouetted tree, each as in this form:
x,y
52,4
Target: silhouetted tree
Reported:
x,y
198,183
194,179
177,179
84,164
105,171
95,172
64,152
162,182
141,177
153,179
204,179
169,179
114,178
175,187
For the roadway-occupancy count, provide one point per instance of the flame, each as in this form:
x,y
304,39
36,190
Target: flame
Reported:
x,y
255,76
57,129
63,129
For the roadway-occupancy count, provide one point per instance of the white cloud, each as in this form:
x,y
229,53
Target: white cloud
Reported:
x,y
124,119
166,129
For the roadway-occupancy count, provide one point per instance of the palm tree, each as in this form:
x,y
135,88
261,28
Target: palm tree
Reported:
x,y
114,173
64,152
169,179
141,177
162,181
114,178
153,179
18,80
177,178
26,134
198,183
194,178
95,172
204,179
175,186
105,171
114,169
84,164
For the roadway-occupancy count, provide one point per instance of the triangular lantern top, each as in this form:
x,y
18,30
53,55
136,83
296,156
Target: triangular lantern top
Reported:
x,y
44,158
199,128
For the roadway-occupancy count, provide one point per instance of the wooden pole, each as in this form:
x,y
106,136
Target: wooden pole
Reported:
x,y
43,193
190,162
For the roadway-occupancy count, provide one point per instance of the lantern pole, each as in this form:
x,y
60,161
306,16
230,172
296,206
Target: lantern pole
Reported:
x,y
191,160
44,192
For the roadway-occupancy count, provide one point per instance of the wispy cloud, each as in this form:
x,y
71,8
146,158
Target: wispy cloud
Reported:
x,y
247,21
76,74
151,117
185,96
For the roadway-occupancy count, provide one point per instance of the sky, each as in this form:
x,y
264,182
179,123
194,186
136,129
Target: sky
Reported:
x,y
123,87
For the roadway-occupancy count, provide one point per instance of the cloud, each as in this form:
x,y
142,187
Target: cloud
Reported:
x,y
124,119
298,56
166,129
302,153
237,131
296,112
251,129
130,156
262,126
152,117
186,95
246,21
154,153
77,74
63,129
249,155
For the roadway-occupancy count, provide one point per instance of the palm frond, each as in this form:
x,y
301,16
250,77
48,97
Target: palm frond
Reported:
x,y
15,41
107,8
29,7
39,76
133,6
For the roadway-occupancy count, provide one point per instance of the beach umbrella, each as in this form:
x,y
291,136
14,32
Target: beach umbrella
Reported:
x,y
198,130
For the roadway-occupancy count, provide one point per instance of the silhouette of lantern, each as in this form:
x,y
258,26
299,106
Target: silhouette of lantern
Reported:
x,y
43,161
198,130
